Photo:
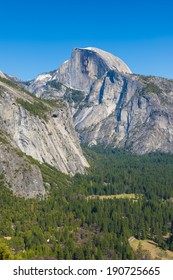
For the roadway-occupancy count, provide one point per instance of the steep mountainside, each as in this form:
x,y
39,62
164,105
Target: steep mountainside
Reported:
x,y
17,172
39,129
109,104
128,111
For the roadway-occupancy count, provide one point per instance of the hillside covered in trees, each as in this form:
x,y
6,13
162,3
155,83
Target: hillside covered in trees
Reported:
x,y
84,218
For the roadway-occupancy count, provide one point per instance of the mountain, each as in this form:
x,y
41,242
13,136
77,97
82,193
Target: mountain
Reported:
x,y
38,129
85,66
109,104
93,96
96,214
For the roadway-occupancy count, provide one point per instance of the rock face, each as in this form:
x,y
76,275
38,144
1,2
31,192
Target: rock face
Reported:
x,y
22,177
41,130
117,107
85,66
128,111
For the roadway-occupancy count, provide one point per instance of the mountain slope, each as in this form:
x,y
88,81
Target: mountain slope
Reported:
x,y
18,173
40,129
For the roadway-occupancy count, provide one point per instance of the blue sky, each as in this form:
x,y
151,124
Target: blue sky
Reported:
x,y
38,36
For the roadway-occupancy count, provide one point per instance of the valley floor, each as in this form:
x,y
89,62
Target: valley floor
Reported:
x,y
103,214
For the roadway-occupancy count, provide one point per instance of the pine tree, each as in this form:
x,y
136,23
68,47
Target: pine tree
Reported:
x,y
5,251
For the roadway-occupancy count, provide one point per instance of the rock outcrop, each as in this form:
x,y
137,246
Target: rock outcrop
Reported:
x,y
40,129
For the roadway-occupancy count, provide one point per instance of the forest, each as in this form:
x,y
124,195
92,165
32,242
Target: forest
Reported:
x,y
84,218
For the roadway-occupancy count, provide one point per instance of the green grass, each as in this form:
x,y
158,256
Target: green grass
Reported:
x,y
152,247
130,196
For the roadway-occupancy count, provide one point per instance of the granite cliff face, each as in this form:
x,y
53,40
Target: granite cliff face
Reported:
x,y
128,111
19,175
39,129
85,66
111,105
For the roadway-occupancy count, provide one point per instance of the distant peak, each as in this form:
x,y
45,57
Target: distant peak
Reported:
x,y
113,62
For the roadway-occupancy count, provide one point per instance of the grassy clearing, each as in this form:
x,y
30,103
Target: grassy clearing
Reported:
x,y
152,248
130,196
